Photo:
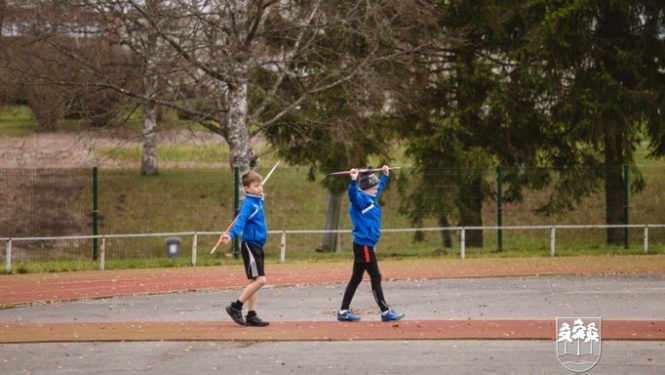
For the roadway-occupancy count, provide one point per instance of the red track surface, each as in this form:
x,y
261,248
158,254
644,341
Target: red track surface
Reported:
x,y
48,288
319,331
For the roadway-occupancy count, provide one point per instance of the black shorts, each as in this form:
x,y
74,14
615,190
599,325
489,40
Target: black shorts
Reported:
x,y
252,256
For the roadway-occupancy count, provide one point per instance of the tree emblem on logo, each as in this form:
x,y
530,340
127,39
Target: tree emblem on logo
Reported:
x,y
578,343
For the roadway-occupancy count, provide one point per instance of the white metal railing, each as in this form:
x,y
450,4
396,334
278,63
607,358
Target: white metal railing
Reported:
x,y
102,250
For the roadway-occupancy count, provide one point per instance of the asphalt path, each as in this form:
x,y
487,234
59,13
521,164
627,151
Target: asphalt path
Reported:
x,y
631,297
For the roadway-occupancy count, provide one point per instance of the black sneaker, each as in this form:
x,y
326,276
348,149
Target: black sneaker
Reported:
x,y
255,321
236,315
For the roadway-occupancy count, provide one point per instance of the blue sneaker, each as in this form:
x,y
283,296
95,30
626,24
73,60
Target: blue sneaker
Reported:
x,y
391,315
347,317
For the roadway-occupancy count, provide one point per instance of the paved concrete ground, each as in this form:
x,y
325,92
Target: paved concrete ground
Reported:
x,y
630,297
323,358
634,297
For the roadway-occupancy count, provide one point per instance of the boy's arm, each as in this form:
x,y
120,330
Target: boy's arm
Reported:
x,y
239,224
354,197
383,180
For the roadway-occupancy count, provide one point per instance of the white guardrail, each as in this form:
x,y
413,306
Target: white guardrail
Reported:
x,y
195,235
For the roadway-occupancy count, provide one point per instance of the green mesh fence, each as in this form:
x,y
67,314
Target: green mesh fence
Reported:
x,y
44,203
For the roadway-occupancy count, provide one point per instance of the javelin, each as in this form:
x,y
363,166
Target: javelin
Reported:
x,y
362,171
225,232
269,173
234,220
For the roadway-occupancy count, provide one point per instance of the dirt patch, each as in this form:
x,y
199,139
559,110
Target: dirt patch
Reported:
x,y
45,203
77,149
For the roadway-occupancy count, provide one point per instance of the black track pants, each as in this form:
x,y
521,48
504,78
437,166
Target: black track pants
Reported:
x,y
364,260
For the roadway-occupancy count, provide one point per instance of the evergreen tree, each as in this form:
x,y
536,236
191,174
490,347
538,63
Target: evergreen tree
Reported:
x,y
604,62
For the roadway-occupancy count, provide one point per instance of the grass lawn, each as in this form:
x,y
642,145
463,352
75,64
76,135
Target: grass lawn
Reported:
x,y
201,199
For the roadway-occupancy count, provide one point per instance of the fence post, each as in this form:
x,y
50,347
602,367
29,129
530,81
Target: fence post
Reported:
x,y
646,238
102,257
462,243
499,206
8,261
282,247
552,240
95,213
626,193
194,246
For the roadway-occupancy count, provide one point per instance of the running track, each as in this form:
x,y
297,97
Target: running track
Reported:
x,y
19,290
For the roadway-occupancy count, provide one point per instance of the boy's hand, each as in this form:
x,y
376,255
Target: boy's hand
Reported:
x,y
225,238
354,174
386,170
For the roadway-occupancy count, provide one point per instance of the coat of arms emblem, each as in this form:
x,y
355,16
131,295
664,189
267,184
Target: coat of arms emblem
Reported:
x,y
578,343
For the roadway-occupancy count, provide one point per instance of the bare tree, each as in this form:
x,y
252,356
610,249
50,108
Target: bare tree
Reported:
x,y
52,56
209,59
3,12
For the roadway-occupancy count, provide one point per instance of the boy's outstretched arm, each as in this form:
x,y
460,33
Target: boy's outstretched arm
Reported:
x,y
386,170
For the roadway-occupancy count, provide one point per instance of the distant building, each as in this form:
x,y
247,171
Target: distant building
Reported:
x,y
21,18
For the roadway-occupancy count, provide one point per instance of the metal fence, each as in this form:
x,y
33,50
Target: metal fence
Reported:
x,y
134,213
546,234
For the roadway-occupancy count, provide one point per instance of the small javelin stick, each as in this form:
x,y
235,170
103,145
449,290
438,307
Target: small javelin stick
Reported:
x,y
234,220
362,171
225,232
269,173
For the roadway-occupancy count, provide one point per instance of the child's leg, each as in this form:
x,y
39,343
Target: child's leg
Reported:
x,y
375,278
359,266
253,258
249,294
354,282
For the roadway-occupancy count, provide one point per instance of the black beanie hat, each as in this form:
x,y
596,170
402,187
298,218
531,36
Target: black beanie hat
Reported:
x,y
367,180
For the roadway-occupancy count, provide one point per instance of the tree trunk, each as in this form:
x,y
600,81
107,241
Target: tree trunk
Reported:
x,y
614,190
446,236
471,205
236,131
149,160
330,239
150,85
3,12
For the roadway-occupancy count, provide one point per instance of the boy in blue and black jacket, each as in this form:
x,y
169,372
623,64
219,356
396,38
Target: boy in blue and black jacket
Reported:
x,y
251,224
364,192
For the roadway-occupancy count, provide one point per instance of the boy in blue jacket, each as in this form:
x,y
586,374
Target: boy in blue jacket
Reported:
x,y
251,223
364,192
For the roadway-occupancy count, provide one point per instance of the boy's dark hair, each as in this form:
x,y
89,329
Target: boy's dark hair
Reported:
x,y
249,177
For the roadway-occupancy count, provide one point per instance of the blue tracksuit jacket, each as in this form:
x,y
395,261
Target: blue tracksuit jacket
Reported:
x,y
365,213
251,221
